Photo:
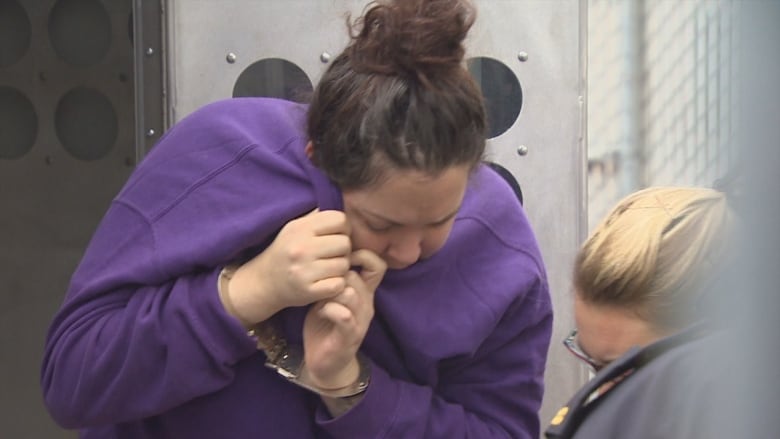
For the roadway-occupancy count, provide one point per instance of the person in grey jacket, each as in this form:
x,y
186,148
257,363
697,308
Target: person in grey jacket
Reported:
x,y
645,281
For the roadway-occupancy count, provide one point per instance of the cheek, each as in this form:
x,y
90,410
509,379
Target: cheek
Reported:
x,y
578,315
365,239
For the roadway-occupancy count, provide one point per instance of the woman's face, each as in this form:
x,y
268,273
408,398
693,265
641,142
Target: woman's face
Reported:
x,y
408,215
605,332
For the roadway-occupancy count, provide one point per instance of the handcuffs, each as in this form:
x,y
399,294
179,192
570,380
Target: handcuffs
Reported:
x,y
288,360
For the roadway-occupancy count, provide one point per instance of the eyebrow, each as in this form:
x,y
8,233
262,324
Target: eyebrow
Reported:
x,y
376,216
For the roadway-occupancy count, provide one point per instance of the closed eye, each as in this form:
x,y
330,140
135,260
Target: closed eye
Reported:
x,y
441,223
378,229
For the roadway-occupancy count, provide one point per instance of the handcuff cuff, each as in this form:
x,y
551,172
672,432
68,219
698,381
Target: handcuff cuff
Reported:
x,y
288,360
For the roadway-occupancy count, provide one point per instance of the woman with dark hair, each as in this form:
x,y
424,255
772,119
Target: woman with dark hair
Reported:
x,y
357,246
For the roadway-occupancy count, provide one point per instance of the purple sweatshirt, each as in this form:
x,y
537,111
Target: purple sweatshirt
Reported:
x,y
142,347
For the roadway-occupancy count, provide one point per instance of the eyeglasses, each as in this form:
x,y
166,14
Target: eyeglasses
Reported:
x,y
571,344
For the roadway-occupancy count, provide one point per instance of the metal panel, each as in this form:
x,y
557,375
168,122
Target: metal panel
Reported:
x,y
213,42
55,189
550,132
204,34
149,69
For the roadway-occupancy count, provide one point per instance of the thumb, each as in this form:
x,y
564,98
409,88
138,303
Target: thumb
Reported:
x,y
372,267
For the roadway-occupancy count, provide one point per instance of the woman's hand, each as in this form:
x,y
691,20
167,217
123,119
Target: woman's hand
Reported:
x,y
307,262
334,328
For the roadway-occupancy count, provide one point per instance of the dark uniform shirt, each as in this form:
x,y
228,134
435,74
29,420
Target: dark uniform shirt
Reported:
x,y
674,388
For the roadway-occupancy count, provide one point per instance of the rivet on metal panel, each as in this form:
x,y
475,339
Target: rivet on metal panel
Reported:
x,y
325,57
42,76
522,56
150,132
48,160
230,58
129,161
522,150
149,51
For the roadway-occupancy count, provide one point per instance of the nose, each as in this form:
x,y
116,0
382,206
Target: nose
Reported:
x,y
405,248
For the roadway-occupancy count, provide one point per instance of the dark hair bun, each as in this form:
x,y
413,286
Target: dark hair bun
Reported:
x,y
412,38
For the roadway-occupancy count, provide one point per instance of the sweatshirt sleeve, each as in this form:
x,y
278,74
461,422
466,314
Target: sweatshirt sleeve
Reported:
x,y
130,341
496,393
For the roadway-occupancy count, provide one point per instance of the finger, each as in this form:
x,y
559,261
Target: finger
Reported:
x,y
349,298
327,288
345,322
355,282
328,222
373,268
358,297
325,268
341,317
330,246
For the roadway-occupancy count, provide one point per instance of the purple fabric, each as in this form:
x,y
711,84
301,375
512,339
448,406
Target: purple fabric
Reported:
x,y
142,347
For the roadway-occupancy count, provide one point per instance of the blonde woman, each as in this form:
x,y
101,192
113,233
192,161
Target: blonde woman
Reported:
x,y
643,283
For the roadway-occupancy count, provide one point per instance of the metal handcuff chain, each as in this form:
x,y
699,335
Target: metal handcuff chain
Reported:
x,y
288,360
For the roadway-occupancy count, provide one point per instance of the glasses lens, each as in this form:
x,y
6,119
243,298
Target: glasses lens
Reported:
x,y
571,344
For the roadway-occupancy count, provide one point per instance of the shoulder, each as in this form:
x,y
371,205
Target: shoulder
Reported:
x,y
492,232
677,386
491,202
235,141
264,111
492,258
236,120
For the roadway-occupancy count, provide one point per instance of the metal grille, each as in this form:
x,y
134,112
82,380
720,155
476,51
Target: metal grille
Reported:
x,y
661,75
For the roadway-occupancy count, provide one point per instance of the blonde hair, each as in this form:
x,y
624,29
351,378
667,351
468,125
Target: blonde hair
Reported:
x,y
656,253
